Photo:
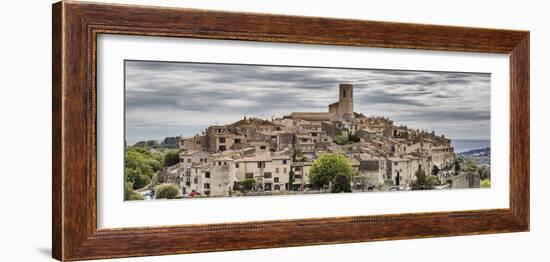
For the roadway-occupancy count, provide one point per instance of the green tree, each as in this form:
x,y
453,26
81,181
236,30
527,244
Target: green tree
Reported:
x,y
340,139
456,167
484,172
152,143
168,191
432,181
248,184
469,166
341,183
130,194
421,181
326,167
435,170
135,177
171,158
485,183
141,159
353,138
290,179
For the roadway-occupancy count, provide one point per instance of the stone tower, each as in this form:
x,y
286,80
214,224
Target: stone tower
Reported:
x,y
345,103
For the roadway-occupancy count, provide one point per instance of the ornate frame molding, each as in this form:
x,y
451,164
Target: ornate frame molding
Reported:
x,y
76,26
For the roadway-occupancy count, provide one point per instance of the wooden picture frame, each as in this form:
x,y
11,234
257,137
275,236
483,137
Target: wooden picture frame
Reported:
x,y
76,26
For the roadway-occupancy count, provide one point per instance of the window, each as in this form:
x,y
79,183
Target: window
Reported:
x,y
198,142
222,148
267,175
196,180
277,187
207,174
285,162
222,139
189,160
206,185
219,163
284,170
313,134
343,93
262,147
276,179
236,165
261,164
237,141
249,175
277,170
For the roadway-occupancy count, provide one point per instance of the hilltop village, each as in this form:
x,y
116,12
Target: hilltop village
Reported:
x,y
277,154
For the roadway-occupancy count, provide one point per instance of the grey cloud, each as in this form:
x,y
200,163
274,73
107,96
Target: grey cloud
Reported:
x,y
164,98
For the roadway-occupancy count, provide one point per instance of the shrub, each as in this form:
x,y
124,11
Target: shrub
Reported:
x,y
353,138
130,194
341,183
171,158
168,191
340,139
388,182
485,183
433,181
136,177
248,184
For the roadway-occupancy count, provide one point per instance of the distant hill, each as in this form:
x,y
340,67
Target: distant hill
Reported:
x,y
482,151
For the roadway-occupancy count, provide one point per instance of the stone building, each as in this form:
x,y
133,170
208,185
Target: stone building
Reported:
x,y
301,175
268,169
222,156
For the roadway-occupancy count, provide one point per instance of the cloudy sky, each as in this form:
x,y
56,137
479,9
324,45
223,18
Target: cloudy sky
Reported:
x,y
169,99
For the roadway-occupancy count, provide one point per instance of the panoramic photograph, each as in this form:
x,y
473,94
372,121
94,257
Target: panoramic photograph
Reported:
x,y
204,130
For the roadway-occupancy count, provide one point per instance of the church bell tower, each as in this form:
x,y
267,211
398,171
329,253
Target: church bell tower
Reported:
x,y
345,104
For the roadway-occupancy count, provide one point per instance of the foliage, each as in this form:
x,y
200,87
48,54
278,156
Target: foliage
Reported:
x,y
353,138
433,181
456,167
421,181
290,179
388,182
168,191
449,181
484,172
171,158
345,139
141,164
248,184
472,166
341,183
485,183
136,178
469,166
435,170
326,167
340,139
130,194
